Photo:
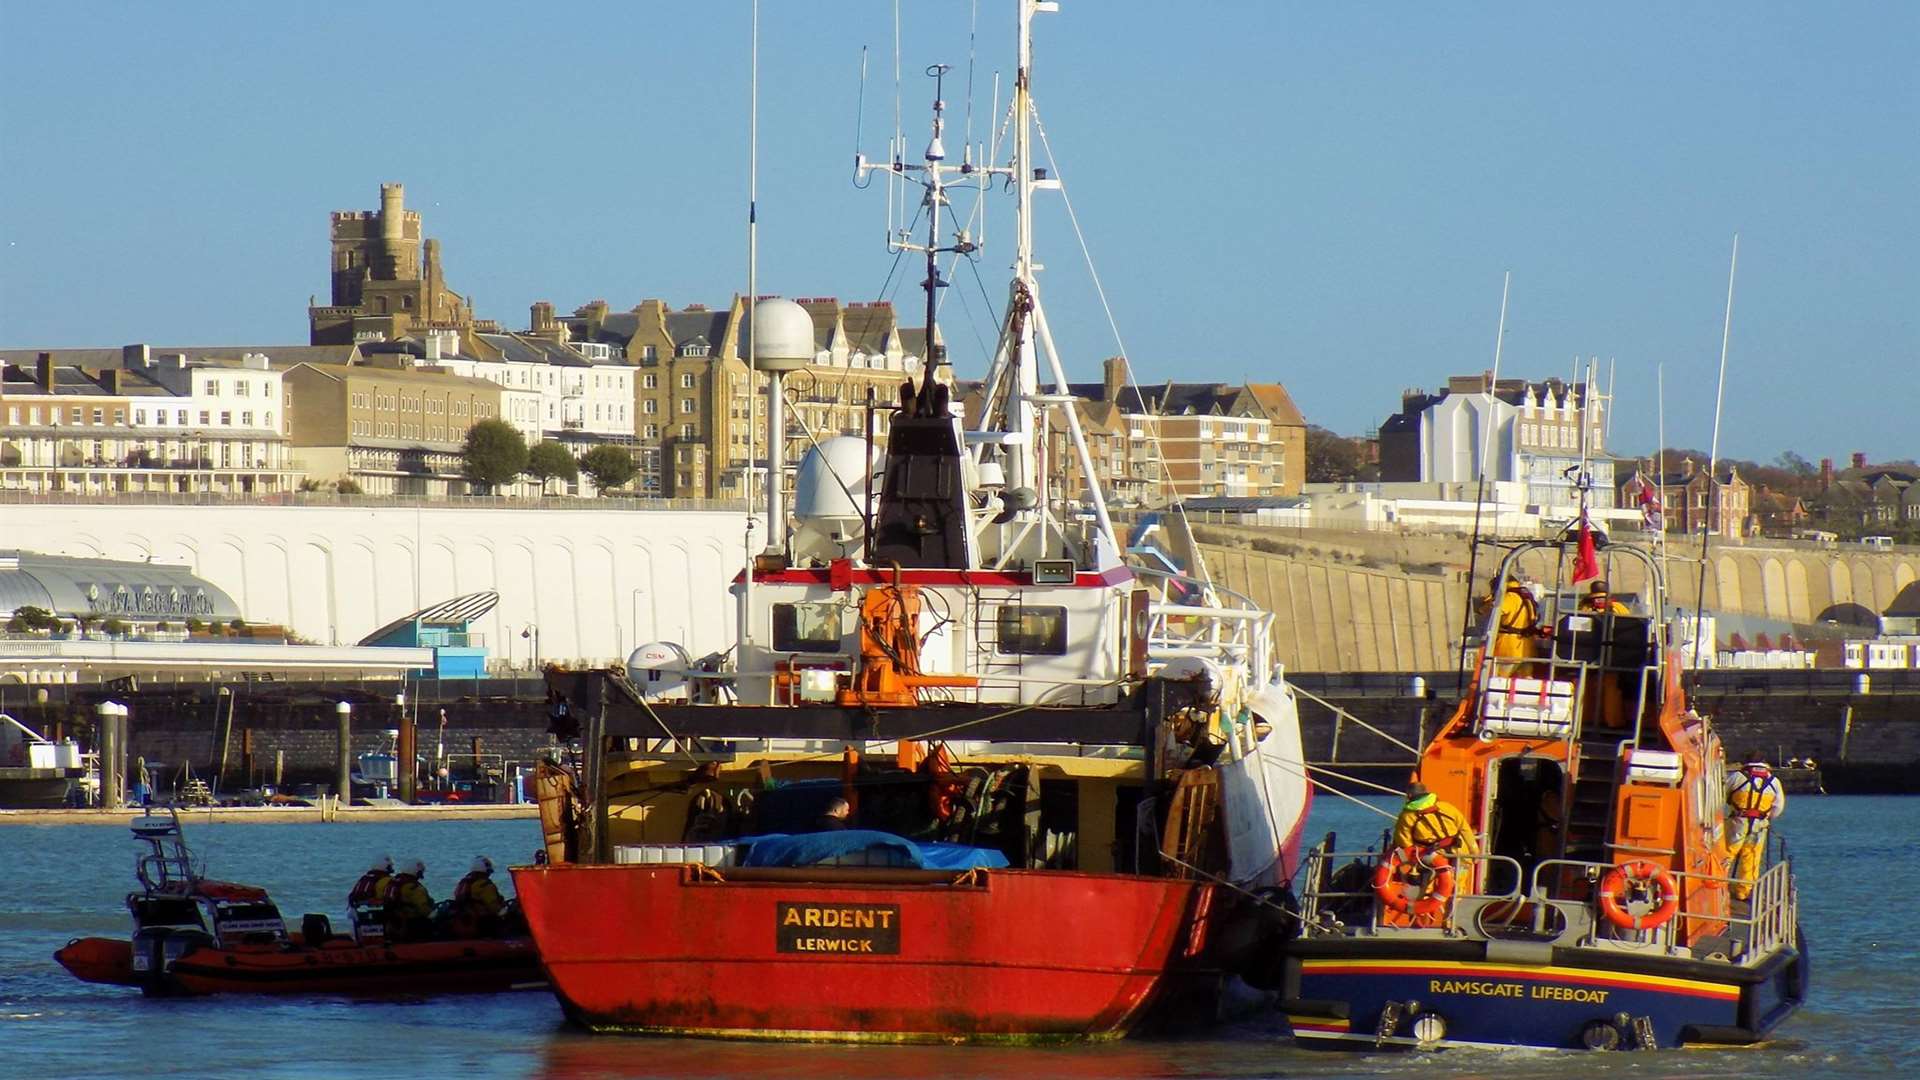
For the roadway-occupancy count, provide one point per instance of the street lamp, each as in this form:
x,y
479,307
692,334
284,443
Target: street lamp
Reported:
x,y
531,634
637,639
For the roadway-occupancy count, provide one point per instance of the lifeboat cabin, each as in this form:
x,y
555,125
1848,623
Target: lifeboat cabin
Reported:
x,y
1591,902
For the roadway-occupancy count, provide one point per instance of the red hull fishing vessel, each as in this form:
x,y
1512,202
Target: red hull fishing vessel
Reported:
x,y
829,956
193,935
1072,784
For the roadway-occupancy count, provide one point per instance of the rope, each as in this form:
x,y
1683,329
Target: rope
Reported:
x,y
1244,891
1356,800
1351,779
1100,290
1345,715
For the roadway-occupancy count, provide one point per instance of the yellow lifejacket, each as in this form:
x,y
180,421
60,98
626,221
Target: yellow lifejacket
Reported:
x,y
1438,825
1753,795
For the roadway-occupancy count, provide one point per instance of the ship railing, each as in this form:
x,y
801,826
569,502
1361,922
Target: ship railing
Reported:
x,y
1329,908
1232,629
1772,911
1336,901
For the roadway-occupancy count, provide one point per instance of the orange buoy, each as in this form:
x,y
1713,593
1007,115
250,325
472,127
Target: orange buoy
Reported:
x,y
1638,874
1429,870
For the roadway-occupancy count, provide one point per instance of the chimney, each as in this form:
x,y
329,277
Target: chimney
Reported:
x,y
136,356
1826,473
542,317
43,371
110,380
1116,378
1859,460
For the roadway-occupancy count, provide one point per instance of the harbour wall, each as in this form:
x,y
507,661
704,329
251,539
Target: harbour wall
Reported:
x,y
595,583
1395,602
598,582
1864,741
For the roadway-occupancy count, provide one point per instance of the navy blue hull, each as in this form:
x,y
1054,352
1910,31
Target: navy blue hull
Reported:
x,y
1340,1001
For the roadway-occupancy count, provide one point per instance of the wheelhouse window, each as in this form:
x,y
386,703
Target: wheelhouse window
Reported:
x,y
806,628
1032,631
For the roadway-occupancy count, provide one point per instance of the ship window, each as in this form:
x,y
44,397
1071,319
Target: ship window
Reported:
x,y
806,628
1032,631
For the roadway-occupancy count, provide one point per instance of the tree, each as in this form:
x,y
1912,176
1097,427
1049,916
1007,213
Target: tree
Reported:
x,y
1335,458
608,466
28,618
494,453
346,486
548,460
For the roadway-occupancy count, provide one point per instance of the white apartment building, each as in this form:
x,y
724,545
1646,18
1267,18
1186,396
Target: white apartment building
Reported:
x,y
130,421
585,388
519,377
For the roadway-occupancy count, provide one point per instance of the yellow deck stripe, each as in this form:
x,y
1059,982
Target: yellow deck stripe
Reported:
x,y
1549,972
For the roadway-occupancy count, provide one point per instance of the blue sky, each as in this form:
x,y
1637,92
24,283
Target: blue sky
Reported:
x,y
1324,195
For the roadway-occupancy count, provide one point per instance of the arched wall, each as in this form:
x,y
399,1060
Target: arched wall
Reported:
x,y
335,574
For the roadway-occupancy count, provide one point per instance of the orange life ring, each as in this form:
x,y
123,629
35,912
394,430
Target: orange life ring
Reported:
x,y
1638,873
1426,867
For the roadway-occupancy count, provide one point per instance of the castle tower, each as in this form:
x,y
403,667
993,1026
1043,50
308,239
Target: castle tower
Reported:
x,y
379,284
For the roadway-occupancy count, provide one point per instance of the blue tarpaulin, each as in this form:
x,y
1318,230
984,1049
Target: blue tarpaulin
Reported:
x,y
880,848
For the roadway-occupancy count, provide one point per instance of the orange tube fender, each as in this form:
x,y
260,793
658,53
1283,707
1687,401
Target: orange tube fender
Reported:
x,y
1426,868
1638,874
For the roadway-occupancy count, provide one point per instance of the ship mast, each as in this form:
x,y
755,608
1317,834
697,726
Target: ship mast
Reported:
x,y
1011,428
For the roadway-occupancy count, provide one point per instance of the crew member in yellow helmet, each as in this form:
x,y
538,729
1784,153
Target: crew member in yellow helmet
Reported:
x,y
1518,635
1754,798
1427,821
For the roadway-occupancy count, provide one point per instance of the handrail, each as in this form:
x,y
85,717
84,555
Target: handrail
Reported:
x,y
1772,914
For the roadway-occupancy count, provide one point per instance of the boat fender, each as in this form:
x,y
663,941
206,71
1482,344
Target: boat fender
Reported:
x,y
1638,876
1600,1035
1427,868
1429,1029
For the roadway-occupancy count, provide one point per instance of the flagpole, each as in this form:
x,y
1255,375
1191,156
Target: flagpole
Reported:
x,y
1480,489
1713,457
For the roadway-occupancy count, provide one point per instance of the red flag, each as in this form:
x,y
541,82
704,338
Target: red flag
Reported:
x,y
1586,564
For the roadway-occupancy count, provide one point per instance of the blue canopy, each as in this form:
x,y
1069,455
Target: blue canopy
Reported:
x,y
881,849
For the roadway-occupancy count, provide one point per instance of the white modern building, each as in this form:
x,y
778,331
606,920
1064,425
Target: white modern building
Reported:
x,y
1543,435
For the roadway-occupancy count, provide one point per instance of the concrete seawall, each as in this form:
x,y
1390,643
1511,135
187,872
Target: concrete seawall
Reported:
x,y
275,815
595,583
1864,742
1365,602
1868,742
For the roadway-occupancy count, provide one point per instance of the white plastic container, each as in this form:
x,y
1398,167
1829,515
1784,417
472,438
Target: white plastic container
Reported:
x,y
1653,767
719,855
1527,708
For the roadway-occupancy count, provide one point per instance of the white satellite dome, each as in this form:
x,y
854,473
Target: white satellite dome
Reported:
x,y
830,483
780,335
658,668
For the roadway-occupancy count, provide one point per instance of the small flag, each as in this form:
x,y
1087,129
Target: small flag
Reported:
x,y
1653,516
1586,563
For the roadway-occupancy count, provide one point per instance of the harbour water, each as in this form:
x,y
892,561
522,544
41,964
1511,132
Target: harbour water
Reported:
x,y
1858,860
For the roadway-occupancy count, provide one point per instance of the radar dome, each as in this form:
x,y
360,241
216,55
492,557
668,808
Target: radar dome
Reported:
x,y
780,335
658,668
